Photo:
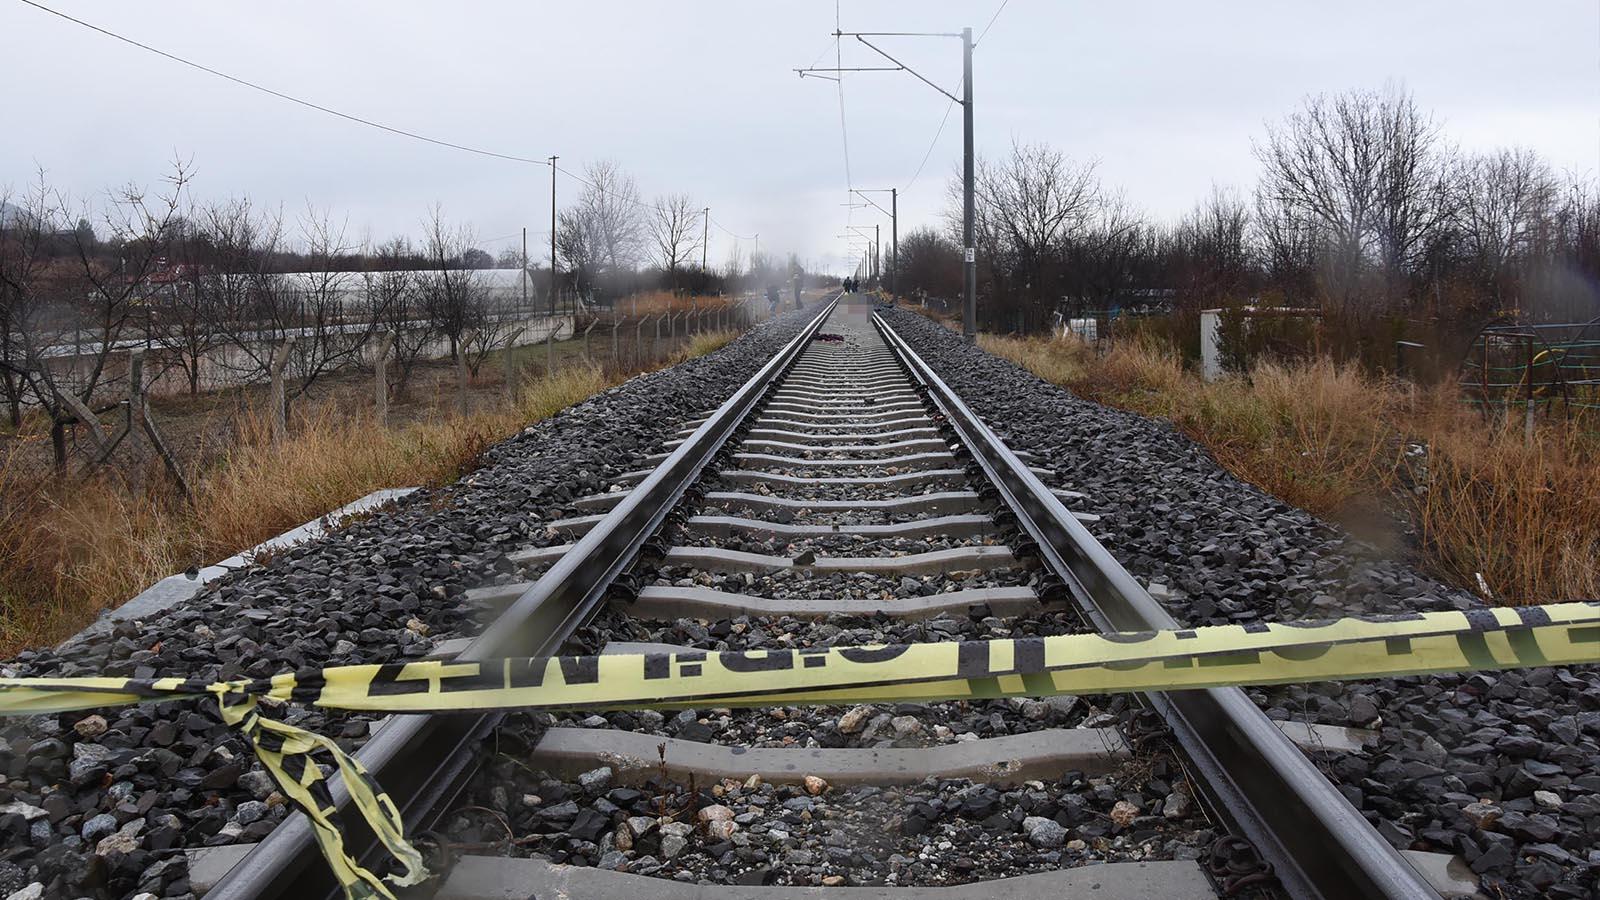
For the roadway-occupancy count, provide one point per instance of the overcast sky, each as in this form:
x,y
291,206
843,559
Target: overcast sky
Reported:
x,y
702,98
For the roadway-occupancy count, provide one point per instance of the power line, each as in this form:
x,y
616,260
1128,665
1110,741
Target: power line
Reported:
x,y
731,233
844,130
985,32
931,144
279,94
644,204
343,115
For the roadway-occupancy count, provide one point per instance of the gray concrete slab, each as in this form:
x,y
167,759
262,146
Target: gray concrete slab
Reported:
x,y
606,500
1008,760
877,368
928,478
671,602
718,559
499,878
208,865
801,439
962,526
1325,738
914,418
826,398
531,557
927,444
805,439
937,502
935,453
1446,873
771,462
806,412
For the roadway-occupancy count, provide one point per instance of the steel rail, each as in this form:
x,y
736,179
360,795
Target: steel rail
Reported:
x,y
424,761
1318,844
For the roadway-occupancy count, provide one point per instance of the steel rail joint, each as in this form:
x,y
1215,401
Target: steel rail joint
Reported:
x,y
424,761
1319,845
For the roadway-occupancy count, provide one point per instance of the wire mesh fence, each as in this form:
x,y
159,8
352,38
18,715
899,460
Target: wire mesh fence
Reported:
x,y
200,417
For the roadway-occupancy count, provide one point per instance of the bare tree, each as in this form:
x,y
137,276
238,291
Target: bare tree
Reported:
x,y
317,308
25,258
1289,248
575,248
1209,253
675,231
214,261
455,297
930,264
393,298
1030,208
1038,199
1504,199
331,336
612,214
1367,172
69,302
1100,257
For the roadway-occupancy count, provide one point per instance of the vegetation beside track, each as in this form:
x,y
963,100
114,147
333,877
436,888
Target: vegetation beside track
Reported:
x,y
1411,471
70,548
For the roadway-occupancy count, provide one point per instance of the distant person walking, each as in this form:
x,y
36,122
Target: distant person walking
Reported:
x,y
772,297
799,282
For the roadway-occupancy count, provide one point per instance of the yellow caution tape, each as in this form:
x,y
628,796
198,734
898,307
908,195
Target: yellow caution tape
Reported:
x,y
1215,656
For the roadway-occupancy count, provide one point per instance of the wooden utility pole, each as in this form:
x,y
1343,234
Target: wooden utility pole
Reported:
x,y
705,237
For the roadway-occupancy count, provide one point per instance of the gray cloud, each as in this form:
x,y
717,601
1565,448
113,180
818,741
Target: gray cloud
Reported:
x,y
702,98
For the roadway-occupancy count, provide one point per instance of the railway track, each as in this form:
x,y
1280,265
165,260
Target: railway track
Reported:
x,y
845,495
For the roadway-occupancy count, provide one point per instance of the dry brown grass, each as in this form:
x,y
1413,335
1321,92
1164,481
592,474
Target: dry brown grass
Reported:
x,y
1527,518
1352,448
702,343
653,303
71,549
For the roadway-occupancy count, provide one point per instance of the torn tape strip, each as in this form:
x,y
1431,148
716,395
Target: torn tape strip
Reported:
x,y
1351,648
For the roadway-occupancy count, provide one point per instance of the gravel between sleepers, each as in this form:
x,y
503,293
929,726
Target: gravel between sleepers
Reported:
x,y
95,804
1499,767
938,831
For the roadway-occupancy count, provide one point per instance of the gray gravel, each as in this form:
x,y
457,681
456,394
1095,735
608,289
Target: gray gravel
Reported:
x,y
942,831
1499,767
385,588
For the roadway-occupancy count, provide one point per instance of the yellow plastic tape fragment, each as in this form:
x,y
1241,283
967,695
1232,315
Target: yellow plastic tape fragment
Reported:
x,y
1215,656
